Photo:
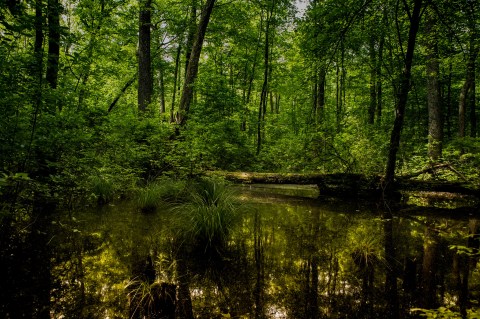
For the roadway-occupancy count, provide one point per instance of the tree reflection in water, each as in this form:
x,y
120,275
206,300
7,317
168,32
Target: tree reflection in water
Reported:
x,y
286,258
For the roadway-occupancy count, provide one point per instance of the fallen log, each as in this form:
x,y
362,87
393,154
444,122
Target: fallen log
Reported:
x,y
347,184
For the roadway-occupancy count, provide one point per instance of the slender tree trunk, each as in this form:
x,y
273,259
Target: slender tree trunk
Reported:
x,y
462,102
53,15
472,101
473,53
122,91
315,94
373,81
263,96
337,96
161,80
254,65
467,93
53,42
38,53
435,118
448,117
322,73
145,79
379,78
277,103
192,69
402,94
175,79
38,81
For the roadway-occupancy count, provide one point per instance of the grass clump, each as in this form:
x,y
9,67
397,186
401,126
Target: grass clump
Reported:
x,y
159,193
103,188
208,216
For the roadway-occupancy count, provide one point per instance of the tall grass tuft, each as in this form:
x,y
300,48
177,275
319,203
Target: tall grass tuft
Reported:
x,y
162,193
103,188
207,218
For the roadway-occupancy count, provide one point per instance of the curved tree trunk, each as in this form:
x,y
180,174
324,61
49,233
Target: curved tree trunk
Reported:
x,y
192,68
402,94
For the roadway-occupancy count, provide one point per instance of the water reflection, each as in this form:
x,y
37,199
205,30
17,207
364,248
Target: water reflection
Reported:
x,y
296,258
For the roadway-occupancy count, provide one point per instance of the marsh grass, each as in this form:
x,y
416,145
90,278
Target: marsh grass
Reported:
x,y
161,193
150,300
103,188
206,219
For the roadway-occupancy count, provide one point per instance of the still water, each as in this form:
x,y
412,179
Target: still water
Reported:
x,y
288,255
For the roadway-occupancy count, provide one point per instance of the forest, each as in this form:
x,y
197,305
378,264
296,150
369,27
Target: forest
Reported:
x,y
161,104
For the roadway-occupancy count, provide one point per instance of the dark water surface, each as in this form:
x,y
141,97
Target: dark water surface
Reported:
x,y
287,257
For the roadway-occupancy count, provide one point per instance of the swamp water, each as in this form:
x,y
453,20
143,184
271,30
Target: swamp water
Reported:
x,y
286,257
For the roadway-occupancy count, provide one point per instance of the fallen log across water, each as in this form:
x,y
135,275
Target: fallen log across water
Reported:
x,y
352,185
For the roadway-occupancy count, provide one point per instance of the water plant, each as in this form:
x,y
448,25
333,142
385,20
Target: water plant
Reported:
x,y
102,187
208,215
151,300
165,192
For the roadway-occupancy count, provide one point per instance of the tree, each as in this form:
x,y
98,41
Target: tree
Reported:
x,y
402,93
192,68
435,118
53,7
145,79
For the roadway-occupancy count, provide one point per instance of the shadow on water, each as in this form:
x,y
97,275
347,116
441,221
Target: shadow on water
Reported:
x,y
285,257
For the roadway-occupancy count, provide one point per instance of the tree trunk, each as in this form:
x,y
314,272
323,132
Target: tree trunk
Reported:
x,y
161,83
145,80
53,42
448,116
402,94
435,118
462,102
277,103
192,24
192,69
53,16
322,73
379,77
263,96
38,79
122,91
175,79
472,57
373,81
38,53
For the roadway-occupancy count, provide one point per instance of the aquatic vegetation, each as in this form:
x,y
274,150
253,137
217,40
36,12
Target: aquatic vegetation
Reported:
x,y
151,300
102,187
159,193
207,217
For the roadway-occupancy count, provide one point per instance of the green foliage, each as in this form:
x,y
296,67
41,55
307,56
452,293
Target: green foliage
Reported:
x,y
445,313
465,155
